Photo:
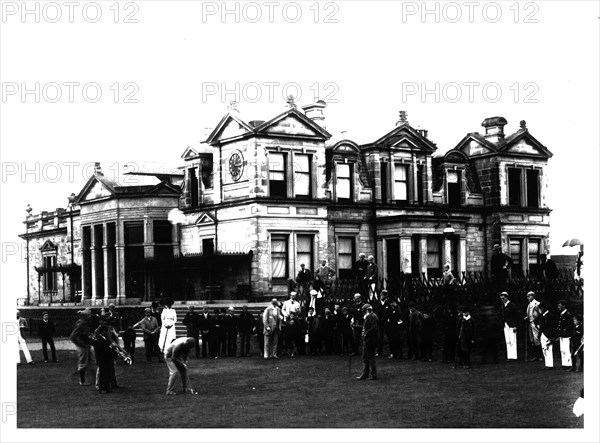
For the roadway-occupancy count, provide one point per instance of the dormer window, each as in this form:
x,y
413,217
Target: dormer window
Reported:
x,y
401,182
453,179
192,188
344,188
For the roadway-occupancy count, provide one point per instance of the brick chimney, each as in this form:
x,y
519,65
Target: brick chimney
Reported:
x,y
494,129
315,112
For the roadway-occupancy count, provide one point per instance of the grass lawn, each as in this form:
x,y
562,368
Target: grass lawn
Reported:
x,y
302,392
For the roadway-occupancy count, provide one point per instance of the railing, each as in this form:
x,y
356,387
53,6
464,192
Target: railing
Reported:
x,y
470,288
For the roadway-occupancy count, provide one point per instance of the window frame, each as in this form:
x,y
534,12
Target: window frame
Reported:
x,y
346,273
406,181
284,171
285,237
350,180
308,173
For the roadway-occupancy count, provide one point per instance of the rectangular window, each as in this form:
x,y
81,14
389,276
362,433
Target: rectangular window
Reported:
x,y
420,190
384,182
515,255
208,246
279,256
304,251
277,174
162,231
50,276
207,174
193,187
434,257
534,257
344,181
134,233
302,172
454,188
514,187
401,182
346,256
532,188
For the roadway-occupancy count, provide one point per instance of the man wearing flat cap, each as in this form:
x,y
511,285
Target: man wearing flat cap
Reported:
x,y
83,348
150,328
533,333
370,338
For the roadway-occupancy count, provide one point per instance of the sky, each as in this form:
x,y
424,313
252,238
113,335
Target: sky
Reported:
x,y
133,82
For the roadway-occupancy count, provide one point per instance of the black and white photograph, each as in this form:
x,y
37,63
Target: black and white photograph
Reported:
x,y
299,220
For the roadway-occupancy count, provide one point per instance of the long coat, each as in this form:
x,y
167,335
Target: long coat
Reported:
x,y
272,318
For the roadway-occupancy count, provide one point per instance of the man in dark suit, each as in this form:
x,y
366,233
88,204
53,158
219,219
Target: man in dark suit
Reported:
x,y
383,309
204,325
565,331
394,330
46,333
414,332
370,337
191,321
246,322
303,280
466,337
357,322
548,334
510,319
360,272
500,266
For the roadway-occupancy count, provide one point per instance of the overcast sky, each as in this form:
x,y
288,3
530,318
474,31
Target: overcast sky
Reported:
x,y
166,73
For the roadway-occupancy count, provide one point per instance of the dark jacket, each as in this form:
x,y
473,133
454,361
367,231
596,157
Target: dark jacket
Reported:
x,y
81,328
304,277
204,323
191,322
466,331
370,332
547,325
360,269
564,327
246,322
497,266
46,329
510,315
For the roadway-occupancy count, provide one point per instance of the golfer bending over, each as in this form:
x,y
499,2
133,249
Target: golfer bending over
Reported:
x,y
176,356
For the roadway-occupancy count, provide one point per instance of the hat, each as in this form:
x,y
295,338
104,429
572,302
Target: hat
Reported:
x,y
313,292
273,300
147,310
362,254
293,293
384,291
112,305
531,293
231,308
86,311
357,295
496,246
504,294
367,306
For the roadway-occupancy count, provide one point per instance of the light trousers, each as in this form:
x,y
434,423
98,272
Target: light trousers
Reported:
x,y
510,336
174,369
565,351
547,350
23,346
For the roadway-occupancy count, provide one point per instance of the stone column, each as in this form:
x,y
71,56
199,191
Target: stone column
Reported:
x,y
423,255
106,263
406,264
462,254
94,268
447,252
120,261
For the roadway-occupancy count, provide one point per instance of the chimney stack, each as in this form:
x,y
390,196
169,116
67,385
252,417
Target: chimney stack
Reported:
x,y
315,112
403,118
97,169
494,129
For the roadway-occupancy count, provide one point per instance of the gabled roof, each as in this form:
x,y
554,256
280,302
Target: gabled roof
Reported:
x,y
404,133
231,126
292,122
48,246
523,143
97,186
204,218
101,187
474,144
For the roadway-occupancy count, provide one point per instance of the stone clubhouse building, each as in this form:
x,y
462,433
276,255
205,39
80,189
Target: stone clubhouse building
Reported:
x,y
246,207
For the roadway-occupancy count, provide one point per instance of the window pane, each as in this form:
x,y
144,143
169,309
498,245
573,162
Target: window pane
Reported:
x,y
534,250
400,172
452,177
343,171
279,256
304,243
515,255
276,162
302,185
532,188
400,191
302,163
278,245
276,176
345,246
514,187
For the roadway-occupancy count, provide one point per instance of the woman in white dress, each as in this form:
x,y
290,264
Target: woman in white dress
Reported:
x,y
167,331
